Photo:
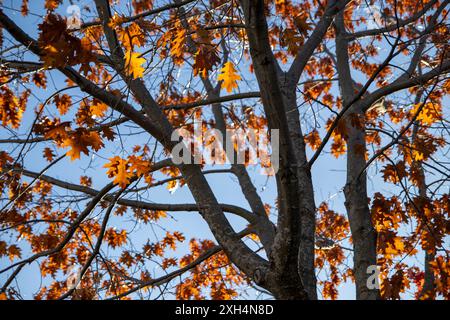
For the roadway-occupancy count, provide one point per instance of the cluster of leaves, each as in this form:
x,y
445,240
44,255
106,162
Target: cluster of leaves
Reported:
x,y
407,224
332,229
216,274
60,48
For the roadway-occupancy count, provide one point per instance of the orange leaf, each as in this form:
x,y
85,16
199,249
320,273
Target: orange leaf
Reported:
x,y
14,251
430,113
98,108
118,168
301,24
48,154
63,103
313,139
133,64
40,80
52,4
229,77
79,141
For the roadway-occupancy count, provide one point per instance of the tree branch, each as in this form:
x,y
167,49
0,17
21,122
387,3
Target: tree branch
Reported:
x,y
249,216
305,51
168,277
393,26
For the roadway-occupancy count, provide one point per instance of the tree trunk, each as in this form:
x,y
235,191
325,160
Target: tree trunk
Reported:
x,y
428,290
356,201
292,255
307,207
363,233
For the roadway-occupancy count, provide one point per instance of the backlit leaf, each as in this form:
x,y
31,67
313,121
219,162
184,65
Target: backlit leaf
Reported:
x,y
229,77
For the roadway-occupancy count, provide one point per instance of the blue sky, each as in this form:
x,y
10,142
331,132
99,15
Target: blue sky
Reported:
x,y
328,172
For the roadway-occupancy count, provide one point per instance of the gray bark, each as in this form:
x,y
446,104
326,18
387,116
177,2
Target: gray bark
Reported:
x,y
428,288
289,272
356,201
307,207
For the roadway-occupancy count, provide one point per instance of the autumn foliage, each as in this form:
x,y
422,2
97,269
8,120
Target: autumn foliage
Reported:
x,y
92,204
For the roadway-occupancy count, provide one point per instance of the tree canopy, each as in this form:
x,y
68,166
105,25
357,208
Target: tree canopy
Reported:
x,y
94,206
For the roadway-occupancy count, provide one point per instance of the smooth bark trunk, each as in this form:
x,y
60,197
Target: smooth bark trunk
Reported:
x,y
356,201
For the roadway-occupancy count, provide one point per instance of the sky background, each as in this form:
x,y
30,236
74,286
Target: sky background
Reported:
x,y
328,172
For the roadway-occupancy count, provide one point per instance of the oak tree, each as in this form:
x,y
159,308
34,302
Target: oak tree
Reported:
x,y
88,106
